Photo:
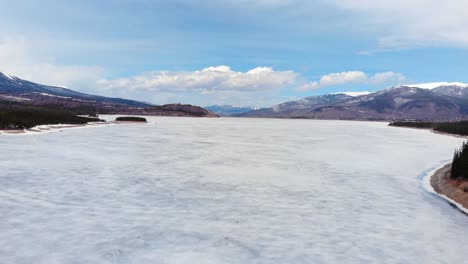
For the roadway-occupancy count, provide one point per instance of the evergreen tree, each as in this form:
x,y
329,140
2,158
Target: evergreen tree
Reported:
x,y
459,169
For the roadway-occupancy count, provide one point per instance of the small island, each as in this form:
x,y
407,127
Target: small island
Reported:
x,y
130,119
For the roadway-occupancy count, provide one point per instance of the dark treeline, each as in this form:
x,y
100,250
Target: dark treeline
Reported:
x,y
24,118
458,128
460,163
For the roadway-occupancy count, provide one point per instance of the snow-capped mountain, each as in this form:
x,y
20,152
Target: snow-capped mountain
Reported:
x,y
19,88
19,93
455,89
296,108
452,90
434,85
440,103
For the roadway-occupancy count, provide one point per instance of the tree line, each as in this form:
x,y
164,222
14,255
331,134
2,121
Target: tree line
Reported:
x,y
457,128
459,169
14,118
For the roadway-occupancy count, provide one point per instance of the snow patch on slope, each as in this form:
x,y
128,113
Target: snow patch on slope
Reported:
x,y
13,98
11,77
51,95
354,94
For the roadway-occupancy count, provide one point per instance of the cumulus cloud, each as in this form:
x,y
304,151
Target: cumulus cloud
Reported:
x,y
387,77
411,23
205,81
216,84
349,77
334,79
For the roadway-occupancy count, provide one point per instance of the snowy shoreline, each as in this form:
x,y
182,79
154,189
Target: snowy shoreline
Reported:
x,y
428,182
41,129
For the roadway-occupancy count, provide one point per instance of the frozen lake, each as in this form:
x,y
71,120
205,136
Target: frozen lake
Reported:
x,y
188,190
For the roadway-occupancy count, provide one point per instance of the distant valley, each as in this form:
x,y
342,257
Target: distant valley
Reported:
x,y
229,110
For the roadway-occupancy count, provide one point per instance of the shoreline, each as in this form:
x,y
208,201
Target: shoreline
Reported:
x,y
41,129
433,131
440,184
58,127
438,181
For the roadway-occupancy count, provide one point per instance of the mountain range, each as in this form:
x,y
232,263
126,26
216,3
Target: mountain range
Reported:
x,y
19,93
425,102
441,102
229,110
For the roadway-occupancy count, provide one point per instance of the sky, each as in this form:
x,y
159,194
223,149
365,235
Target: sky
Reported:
x,y
243,53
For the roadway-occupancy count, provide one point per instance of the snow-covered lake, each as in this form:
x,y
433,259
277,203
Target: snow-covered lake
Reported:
x,y
188,190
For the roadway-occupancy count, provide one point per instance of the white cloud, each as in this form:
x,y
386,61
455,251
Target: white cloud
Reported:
x,y
220,84
205,81
216,84
342,77
411,23
334,79
17,58
387,77
349,77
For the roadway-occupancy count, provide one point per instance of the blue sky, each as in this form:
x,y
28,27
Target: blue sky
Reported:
x,y
233,52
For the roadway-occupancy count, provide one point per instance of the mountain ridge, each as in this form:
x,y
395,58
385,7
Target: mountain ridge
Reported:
x,y
19,93
443,103
14,85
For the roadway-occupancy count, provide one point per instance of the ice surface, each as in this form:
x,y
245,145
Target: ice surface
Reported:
x,y
193,190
